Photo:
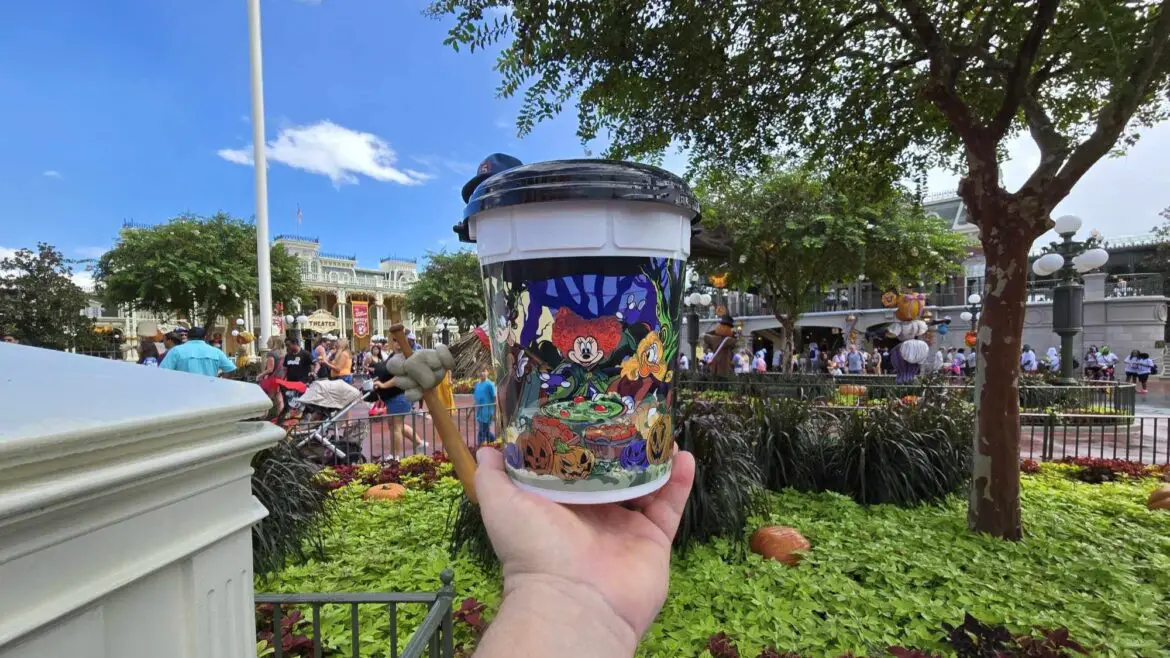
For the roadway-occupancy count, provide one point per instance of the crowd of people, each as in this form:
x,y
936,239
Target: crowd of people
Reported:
x,y
287,364
954,362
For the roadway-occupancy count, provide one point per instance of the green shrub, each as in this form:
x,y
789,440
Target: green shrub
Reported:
x,y
784,433
284,483
1093,559
728,484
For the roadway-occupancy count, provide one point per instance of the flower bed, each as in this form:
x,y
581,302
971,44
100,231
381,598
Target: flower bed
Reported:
x,y
1094,560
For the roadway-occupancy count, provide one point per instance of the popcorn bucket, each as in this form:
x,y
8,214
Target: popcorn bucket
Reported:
x,y
584,269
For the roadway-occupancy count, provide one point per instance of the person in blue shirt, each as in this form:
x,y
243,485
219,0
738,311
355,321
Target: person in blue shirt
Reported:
x,y
197,357
485,406
853,361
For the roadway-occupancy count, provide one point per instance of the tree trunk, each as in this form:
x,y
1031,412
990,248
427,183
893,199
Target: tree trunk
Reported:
x,y
209,320
995,484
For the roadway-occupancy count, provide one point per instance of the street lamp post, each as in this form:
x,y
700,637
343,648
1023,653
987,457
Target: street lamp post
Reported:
x,y
695,300
974,307
1069,260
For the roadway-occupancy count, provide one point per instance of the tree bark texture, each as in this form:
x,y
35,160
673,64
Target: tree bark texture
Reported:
x,y
995,484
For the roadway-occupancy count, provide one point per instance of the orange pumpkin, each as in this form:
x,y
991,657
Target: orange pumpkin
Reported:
x,y
889,299
718,280
576,463
1160,498
537,450
910,306
970,338
780,543
388,491
660,440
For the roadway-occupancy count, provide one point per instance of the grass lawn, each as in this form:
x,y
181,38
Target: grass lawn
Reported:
x,y
1094,560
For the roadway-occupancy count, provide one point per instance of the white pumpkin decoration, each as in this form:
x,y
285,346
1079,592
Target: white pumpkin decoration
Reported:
x,y
914,351
920,327
894,328
908,331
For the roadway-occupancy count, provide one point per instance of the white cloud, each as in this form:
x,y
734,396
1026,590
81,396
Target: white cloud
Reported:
x,y
335,151
238,156
505,124
84,280
1119,196
51,173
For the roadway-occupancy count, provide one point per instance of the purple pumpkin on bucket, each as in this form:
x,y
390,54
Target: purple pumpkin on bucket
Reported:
x,y
634,457
512,455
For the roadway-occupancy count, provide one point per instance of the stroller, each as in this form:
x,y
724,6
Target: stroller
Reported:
x,y
332,428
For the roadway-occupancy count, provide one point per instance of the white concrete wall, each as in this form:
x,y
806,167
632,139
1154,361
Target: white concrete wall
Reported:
x,y
125,510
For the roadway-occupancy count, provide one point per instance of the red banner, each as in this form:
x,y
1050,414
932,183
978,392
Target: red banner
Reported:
x,y
361,319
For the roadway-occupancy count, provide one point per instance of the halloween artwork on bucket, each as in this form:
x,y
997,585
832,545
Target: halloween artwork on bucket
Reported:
x,y
585,361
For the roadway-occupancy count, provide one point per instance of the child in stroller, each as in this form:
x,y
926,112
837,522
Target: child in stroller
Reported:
x,y
332,427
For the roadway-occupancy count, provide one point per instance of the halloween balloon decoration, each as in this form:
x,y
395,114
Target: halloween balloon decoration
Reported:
x,y
909,308
970,338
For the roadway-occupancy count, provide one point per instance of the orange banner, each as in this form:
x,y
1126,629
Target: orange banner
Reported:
x,y
361,319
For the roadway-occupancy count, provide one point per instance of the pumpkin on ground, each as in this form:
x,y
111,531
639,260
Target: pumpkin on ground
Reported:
x,y
388,491
780,543
852,389
576,463
1160,498
537,450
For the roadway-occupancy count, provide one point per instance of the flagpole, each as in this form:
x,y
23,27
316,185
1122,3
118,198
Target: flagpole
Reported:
x,y
263,262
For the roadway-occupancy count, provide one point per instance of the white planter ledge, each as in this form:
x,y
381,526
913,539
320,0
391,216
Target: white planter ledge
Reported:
x,y
125,509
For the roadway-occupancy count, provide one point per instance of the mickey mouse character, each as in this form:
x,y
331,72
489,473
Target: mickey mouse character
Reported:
x,y
584,345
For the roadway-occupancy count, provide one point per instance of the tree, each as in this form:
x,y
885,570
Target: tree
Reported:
x,y
449,287
40,305
192,265
886,87
794,234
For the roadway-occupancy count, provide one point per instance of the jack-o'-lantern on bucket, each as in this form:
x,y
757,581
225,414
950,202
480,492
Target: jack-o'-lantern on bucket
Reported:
x,y
584,265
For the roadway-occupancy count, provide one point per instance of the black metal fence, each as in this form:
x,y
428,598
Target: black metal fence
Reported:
x,y
434,637
393,435
1051,437
1107,398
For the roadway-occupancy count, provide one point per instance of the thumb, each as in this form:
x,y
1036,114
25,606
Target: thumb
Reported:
x,y
492,484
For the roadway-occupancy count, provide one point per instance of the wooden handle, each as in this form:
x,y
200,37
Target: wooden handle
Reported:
x,y
453,444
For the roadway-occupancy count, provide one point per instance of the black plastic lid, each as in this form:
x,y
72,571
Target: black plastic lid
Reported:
x,y
578,180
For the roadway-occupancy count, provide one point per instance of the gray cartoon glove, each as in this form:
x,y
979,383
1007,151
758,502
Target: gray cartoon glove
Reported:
x,y
422,371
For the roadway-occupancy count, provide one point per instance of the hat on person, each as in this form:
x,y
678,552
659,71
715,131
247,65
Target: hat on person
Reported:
x,y
726,320
196,333
491,165
180,329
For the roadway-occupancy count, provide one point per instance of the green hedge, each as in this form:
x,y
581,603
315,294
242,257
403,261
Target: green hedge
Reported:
x,y
1093,559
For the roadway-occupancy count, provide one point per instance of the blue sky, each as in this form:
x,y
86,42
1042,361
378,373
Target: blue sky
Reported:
x,y
138,109
127,110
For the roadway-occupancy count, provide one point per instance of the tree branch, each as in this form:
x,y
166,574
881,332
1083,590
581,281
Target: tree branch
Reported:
x,y
1016,84
1112,119
940,88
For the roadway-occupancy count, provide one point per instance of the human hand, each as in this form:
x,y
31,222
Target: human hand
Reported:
x,y
421,372
608,564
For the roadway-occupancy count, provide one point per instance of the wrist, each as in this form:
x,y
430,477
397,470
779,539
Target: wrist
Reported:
x,y
558,616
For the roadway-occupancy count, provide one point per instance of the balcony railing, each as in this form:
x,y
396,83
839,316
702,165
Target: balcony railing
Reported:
x,y
434,636
953,293
374,282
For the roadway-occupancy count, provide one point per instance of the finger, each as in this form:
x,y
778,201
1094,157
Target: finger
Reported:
x,y
445,357
492,484
666,506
